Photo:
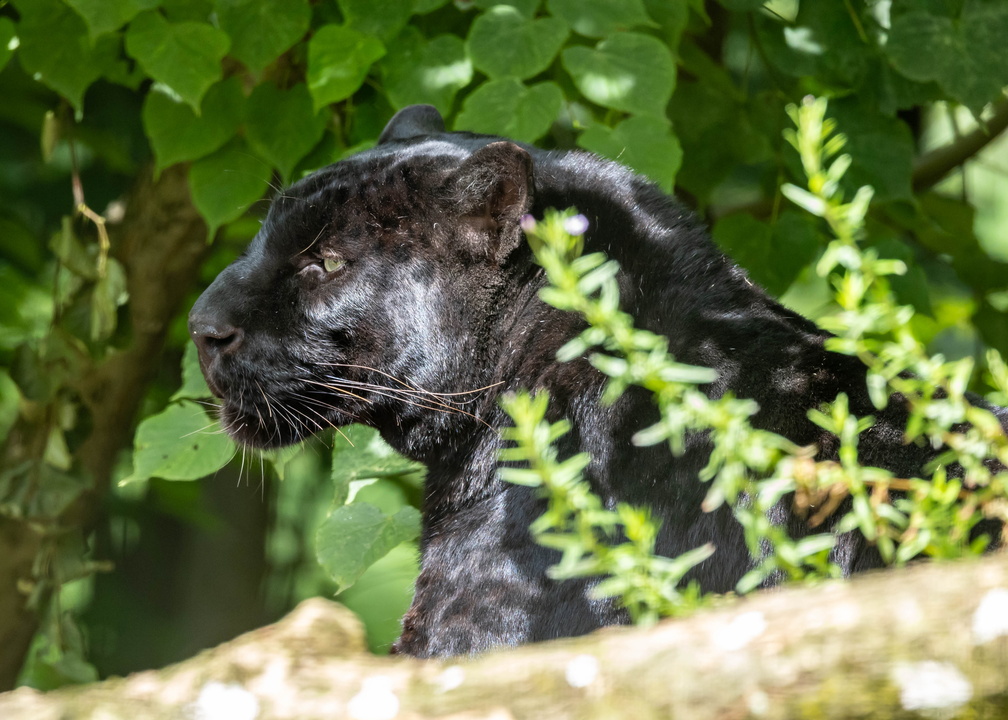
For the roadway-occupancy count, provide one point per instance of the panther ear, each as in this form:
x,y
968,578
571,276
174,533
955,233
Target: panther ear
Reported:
x,y
493,189
413,121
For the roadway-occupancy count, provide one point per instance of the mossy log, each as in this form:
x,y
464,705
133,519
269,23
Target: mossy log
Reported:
x,y
928,641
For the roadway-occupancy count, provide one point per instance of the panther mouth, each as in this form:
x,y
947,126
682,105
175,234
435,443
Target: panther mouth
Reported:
x,y
257,428
270,412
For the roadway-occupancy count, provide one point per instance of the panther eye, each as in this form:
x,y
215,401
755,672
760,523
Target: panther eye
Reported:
x,y
331,265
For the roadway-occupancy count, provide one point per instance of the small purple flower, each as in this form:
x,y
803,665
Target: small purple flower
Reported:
x,y
576,225
528,223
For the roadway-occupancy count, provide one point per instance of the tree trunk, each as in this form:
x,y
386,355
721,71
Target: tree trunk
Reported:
x,y
929,641
161,244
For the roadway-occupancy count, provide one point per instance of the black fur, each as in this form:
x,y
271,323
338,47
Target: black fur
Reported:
x,y
437,291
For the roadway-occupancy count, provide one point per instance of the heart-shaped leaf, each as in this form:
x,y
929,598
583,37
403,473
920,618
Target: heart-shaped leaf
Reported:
x,y
261,30
178,134
383,19
224,184
55,47
628,71
355,535
507,107
417,71
104,16
339,59
282,125
600,18
645,143
185,56
504,43
180,443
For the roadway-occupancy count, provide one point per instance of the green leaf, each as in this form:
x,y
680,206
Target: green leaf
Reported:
x,y
882,149
645,143
383,19
945,225
180,443
717,132
804,199
282,125
422,7
187,10
10,398
966,58
185,56
338,61
993,327
793,50
261,30
368,457
525,7
104,16
600,18
281,458
746,240
507,107
417,71
106,297
7,35
178,134
504,43
795,242
628,71
742,5
671,19
74,254
910,288
225,184
354,536
773,255
194,385
55,47
382,596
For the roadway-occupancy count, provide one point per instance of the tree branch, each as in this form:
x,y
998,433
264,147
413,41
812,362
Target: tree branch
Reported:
x,y
929,169
931,639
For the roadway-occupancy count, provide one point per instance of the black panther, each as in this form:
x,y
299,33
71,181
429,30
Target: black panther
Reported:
x,y
392,285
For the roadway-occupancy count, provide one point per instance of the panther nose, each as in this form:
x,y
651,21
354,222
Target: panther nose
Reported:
x,y
215,339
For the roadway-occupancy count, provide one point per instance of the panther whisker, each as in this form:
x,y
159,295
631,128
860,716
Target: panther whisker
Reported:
x,y
309,247
241,468
320,426
396,392
390,393
203,430
405,396
269,407
384,390
335,427
409,385
205,403
345,392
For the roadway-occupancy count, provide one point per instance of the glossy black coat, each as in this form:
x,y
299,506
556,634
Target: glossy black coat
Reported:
x,y
401,273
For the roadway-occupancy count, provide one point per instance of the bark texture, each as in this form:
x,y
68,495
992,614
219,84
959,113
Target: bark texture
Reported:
x,y
930,641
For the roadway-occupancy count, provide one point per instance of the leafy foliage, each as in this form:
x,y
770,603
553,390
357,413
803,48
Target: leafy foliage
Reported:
x,y
577,524
238,96
754,470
